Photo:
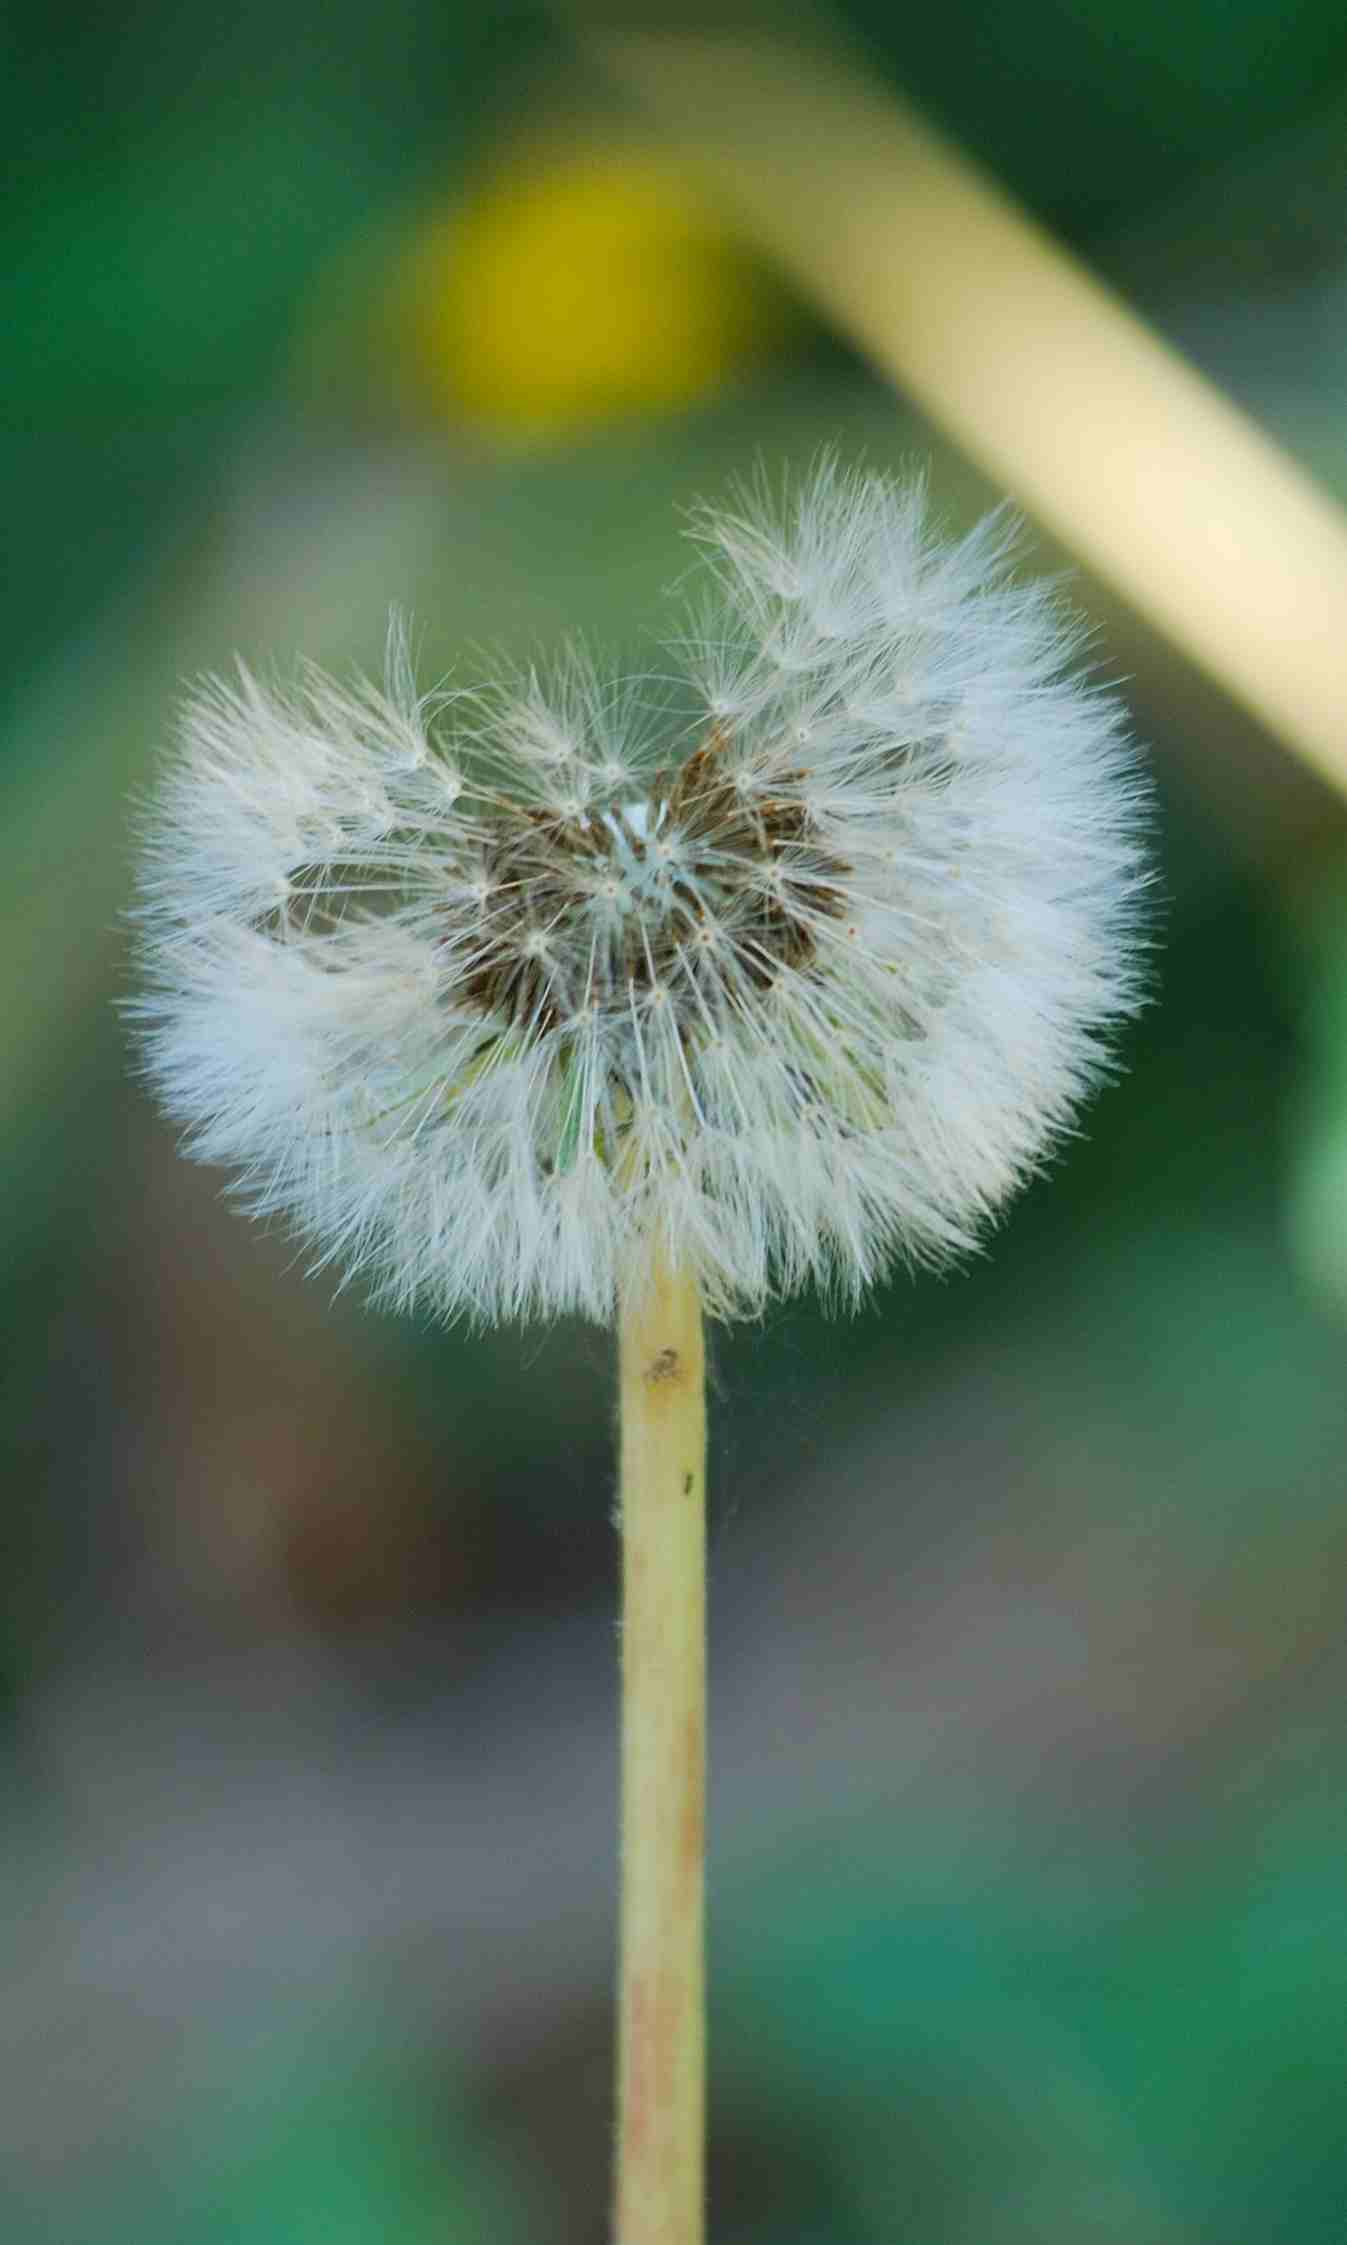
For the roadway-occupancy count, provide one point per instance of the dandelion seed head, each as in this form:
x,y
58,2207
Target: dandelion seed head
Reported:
x,y
493,995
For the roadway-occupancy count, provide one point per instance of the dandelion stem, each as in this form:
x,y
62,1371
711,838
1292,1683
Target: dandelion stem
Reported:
x,y
661,2002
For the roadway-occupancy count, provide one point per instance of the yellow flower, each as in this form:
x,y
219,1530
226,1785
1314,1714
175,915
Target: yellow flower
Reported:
x,y
581,283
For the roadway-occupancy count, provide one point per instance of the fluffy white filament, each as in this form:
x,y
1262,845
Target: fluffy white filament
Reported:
x,y
490,995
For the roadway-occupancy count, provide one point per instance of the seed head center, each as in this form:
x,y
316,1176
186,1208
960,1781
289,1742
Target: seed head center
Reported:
x,y
688,899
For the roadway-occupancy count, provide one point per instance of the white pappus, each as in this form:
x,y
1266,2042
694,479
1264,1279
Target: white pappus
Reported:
x,y
495,997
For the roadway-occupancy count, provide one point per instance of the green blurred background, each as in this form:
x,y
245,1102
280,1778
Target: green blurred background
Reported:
x,y
1029,1757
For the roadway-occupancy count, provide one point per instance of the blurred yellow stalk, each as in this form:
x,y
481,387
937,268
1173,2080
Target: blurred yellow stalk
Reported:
x,y
1059,392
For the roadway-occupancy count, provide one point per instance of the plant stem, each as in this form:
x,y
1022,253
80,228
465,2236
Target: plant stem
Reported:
x,y
660,2187
998,332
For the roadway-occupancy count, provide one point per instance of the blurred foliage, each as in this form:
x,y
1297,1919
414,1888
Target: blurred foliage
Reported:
x,y
1318,1161
1103,111
1069,1966
318,2157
